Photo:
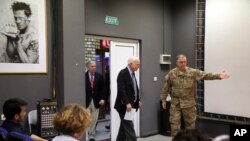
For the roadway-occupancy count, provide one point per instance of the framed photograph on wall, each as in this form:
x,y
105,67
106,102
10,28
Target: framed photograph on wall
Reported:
x,y
23,43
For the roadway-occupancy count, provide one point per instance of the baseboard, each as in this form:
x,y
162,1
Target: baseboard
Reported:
x,y
151,133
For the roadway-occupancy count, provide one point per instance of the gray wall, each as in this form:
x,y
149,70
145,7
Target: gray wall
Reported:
x,y
184,29
169,29
172,26
69,43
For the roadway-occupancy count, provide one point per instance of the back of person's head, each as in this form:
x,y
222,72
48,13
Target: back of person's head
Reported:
x,y
12,106
191,135
222,138
72,119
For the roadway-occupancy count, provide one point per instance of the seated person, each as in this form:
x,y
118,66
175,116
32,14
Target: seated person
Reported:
x,y
191,135
14,110
71,122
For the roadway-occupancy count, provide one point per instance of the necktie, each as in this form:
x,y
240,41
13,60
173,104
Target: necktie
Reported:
x,y
92,80
134,85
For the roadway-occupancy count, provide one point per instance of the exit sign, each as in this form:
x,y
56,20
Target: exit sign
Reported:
x,y
111,20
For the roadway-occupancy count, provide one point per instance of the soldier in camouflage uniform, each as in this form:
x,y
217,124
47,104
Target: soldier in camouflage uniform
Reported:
x,y
181,82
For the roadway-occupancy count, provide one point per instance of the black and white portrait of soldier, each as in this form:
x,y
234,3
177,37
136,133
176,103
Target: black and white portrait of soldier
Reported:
x,y
19,41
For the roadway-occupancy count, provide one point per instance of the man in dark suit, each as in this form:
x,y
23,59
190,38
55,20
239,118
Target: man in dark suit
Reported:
x,y
95,96
127,98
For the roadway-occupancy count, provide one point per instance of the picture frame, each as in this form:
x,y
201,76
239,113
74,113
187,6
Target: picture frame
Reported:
x,y
23,39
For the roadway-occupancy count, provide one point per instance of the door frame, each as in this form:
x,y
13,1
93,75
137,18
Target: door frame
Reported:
x,y
129,41
122,51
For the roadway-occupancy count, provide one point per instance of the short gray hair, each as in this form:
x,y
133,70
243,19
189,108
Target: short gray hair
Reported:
x,y
180,56
90,62
132,59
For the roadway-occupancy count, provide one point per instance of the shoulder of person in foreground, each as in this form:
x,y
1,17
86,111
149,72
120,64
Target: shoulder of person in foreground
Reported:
x,y
222,138
191,135
72,120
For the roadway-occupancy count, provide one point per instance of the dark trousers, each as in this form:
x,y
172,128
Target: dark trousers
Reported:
x,y
126,131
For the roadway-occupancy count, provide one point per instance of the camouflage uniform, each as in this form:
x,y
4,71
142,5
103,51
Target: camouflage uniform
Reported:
x,y
182,86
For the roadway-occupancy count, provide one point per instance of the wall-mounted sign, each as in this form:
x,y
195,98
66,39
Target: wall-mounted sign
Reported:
x,y
111,20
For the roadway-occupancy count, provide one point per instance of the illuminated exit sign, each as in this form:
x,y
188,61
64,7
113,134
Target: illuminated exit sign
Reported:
x,y
111,20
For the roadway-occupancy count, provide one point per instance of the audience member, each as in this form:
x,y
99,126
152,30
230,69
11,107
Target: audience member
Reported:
x,y
71,122
14,110
222,138
191,135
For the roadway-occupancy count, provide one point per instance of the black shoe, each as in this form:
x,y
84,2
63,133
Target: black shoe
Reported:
x,y
107,126
91,139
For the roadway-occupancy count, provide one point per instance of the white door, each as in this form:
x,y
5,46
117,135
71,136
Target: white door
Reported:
x,y
119,54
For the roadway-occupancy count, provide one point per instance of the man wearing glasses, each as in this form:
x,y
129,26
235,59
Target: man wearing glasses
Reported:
x,y
23,48
180,82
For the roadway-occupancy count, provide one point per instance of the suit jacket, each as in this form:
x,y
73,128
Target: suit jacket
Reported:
x,y
125,92
97,93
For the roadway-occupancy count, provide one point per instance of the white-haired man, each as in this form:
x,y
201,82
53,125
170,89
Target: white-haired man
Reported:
x,y
127,98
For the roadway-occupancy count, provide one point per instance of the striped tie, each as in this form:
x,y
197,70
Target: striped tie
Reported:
x,y
92,81
135,87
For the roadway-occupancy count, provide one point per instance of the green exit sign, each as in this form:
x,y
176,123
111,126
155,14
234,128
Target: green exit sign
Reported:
x,y
111,20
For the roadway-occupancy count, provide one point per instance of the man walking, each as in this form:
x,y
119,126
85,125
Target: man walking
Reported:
x,y
127,98
95,96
